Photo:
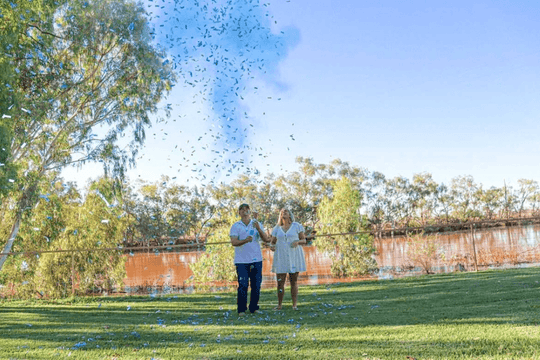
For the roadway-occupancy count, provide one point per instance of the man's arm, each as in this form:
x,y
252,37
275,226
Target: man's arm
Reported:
x,y
261,232
236,242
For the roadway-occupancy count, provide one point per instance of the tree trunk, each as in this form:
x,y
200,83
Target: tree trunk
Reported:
x,y
11,240
24,202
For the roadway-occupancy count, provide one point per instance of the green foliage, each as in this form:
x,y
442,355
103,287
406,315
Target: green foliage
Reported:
x,y
301,191
265,198
465,193
526,190
216,264
80,67
350,254
93,270
45,222
97,68
17,18
491,200
166,212
61,222
423,251
8,171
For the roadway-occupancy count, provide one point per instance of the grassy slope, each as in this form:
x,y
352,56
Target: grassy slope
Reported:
x,y
486,315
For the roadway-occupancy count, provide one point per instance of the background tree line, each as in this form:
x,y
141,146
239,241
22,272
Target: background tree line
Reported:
x,y
165,210
327,198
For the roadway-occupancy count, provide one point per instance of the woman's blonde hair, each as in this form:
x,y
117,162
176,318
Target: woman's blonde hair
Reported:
x,y
280,220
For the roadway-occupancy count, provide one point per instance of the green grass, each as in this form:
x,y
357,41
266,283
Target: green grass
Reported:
x,y
485,315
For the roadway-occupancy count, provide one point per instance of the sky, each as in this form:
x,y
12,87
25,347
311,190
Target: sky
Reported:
x,y
447,88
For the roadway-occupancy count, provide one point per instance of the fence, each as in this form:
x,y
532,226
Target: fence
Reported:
x,y
458,241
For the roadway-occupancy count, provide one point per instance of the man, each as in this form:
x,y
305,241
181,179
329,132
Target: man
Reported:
x,y
245,237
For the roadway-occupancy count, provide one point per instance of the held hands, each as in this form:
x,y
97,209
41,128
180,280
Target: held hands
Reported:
x,y
249,239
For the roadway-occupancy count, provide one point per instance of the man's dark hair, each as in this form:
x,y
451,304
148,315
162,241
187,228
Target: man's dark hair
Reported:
x,y
243,206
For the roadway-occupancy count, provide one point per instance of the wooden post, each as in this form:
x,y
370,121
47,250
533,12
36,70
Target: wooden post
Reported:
x,y
474,248
72,273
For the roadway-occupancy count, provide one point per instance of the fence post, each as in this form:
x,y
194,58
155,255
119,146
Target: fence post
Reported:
x,y
72,273
474,248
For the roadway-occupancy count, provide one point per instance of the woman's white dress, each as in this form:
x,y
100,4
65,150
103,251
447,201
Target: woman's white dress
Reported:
x,y
286,258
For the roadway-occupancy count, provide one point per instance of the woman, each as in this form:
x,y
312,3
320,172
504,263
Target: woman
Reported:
x,y
288,256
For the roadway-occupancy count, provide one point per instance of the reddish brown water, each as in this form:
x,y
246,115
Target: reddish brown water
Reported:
x,y
495,247
172,269
510,246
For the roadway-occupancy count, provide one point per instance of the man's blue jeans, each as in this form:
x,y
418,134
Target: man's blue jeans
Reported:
x,y
249,274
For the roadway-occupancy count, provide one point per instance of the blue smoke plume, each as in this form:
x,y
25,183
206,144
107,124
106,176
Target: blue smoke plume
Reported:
x,y
220,48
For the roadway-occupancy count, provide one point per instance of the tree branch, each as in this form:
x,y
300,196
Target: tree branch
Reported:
x,y
43,31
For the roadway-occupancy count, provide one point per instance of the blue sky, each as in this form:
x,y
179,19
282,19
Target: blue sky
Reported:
x,y
396,87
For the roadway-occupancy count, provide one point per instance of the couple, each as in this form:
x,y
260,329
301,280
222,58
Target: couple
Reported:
x,y
288,257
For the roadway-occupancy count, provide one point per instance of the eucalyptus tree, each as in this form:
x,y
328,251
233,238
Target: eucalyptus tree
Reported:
x,y
197,214
302,190
443,202
338,168
491,200
91,81
147,206
335,171
8,174
164,211
8,170
465,198
526,189
399,189
244,188
423,195
377,199
299,192
393,202
270,201
509,201
17,22
535,202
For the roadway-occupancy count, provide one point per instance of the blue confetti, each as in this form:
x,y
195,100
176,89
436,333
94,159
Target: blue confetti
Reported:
x,y
78,345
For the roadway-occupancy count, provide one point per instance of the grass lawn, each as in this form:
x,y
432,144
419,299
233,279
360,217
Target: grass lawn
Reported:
x,y
484,315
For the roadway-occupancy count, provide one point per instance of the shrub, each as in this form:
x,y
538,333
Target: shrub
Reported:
x,y
60,223
216,264
423,251
350,254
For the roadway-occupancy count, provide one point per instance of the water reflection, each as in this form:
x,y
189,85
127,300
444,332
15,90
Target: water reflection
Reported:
x,y
497,247
500,247
170,271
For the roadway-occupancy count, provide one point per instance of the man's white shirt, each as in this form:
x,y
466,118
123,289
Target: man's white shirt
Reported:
x,y
251,251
